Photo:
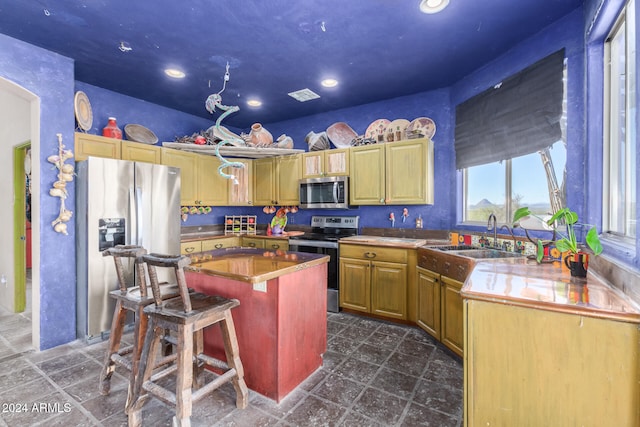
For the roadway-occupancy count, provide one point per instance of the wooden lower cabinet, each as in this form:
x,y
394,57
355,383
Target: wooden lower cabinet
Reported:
x,y
440,308
266,243
531,367
220,243
188,248
374,280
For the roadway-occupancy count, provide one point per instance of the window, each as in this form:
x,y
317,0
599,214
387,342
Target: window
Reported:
x,y
530,171
620,144
503,187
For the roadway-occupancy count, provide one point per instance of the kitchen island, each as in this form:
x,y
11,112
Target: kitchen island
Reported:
x,y
281,323
545,348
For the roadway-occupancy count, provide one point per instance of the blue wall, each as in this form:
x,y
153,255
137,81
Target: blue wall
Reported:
x,y
50,77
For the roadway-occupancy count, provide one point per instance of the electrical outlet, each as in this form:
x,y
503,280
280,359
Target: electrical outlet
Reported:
x,y
260,286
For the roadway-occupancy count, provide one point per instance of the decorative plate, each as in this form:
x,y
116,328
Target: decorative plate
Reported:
x,y
82,108
396,130
341,134
377,129
139,133
423,126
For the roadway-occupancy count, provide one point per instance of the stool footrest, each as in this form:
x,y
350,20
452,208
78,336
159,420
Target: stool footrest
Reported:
x,y
163,373
125,350
121,361
212,361
213,385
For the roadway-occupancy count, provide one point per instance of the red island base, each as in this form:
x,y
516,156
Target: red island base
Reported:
x,y
282,333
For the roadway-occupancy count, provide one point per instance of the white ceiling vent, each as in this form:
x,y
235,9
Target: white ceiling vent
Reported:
x,y
303,95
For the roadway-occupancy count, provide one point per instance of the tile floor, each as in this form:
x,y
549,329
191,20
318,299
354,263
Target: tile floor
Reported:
x,y
375,374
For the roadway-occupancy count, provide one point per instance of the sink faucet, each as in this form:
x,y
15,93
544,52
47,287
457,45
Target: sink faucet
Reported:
x,y
492,223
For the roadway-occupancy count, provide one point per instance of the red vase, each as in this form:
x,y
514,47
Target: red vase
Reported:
x,y
111,130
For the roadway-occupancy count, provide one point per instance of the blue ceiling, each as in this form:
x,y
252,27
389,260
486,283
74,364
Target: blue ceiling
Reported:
x,y
377,49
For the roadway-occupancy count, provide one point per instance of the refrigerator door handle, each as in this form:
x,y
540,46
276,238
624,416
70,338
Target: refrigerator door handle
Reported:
x,y
139,217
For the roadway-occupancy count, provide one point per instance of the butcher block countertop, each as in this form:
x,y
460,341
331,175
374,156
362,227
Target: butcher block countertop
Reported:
x,y
523,282
252,265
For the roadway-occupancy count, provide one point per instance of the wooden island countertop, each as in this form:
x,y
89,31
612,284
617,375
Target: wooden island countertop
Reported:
x,y
281,322
252,265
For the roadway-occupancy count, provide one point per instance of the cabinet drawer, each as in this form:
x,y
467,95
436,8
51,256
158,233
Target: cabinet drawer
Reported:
x,y
373,253
253,242
273,244
187,248
211,244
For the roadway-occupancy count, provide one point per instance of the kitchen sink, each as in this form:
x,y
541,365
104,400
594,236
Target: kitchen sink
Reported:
x,y
456,248
485,253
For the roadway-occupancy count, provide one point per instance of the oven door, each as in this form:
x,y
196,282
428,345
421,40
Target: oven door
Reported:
x,y
323,248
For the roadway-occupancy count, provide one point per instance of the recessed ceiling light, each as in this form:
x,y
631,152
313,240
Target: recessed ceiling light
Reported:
x,y
433,6
329,83
174,73
303,95
254,103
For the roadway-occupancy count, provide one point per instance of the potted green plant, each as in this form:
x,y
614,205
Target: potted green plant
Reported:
x,y
564,240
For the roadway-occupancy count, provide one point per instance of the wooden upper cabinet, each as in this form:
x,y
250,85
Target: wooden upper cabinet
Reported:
x,y
187,162
276,181
409,169
264,192
367,179
241,193
212,188
138,152
288,180
96,146
316,164
396,173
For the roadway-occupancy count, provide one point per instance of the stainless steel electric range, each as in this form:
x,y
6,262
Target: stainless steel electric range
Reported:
x,y
323,239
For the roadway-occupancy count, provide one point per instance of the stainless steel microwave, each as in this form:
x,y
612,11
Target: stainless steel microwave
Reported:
x,y
331,192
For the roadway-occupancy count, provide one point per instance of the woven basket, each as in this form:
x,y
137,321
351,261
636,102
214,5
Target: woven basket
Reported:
x,y
138,133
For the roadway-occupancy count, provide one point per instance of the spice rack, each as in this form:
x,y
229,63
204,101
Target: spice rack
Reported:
x,y
240,224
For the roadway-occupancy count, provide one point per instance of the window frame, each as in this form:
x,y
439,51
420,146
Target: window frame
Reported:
x,y
608,188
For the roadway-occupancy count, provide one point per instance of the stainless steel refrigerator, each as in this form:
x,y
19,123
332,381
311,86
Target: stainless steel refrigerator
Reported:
x,y
119,202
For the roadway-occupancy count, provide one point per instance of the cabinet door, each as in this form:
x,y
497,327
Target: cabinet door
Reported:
x,y
212,187
336,162
187,162
366,184
138,152
253,242
429,301
288,180
389,289
313,164
241,194
95,146
264,173
451,315
355,284
409,170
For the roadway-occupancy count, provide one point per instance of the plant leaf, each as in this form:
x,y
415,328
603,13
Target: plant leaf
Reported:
x,y
521,213
564,245
594,241
540,252
560,214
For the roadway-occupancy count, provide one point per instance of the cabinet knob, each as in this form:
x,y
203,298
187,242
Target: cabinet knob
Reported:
x,y
369,254
218,245
252,245
381,200
189,250
275,246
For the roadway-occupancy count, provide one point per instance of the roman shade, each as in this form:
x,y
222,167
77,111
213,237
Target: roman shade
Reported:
x,y
519,116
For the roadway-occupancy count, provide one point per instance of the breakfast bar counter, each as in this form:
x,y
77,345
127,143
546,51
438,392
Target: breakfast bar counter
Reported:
x,y
281,323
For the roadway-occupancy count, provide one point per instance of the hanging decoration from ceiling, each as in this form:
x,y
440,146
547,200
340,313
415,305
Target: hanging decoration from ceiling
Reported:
x,y
213,101
65,175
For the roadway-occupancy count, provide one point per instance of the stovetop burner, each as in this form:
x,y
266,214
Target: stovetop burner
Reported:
x,y
331,228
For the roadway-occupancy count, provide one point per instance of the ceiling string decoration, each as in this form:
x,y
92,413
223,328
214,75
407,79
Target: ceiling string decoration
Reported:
x,y
213,101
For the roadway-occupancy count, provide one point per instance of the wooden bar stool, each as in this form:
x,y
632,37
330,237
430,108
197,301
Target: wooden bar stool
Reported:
x,y
132,299
187,315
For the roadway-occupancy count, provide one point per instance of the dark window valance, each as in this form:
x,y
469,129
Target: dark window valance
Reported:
x,y
519,116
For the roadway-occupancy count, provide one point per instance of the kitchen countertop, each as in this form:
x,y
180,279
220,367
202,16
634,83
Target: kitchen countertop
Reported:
x,y
522,282
252,265
396,242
